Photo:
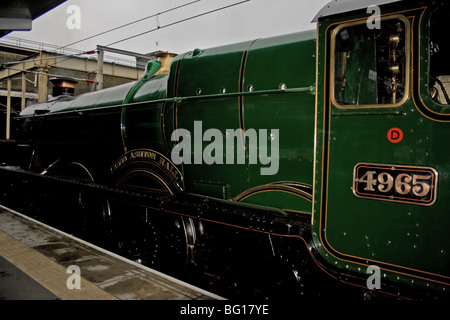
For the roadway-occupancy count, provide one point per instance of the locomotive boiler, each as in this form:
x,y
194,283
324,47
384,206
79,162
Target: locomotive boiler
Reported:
x,y
308,164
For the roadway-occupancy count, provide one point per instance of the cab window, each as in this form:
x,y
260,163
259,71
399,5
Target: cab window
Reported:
x,y
370,66
439,76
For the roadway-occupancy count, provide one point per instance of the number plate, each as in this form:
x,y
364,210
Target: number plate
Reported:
x,y
395,183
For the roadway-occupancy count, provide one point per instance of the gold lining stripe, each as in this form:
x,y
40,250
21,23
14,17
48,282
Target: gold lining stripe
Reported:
x,y
272,187
241,89
123,129
147,173
175,94
84,168
295,211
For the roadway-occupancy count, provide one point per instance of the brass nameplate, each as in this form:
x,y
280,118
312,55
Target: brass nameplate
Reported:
x,y
408,184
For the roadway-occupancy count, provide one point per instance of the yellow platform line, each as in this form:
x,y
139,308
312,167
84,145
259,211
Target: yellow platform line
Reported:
x,y
47,272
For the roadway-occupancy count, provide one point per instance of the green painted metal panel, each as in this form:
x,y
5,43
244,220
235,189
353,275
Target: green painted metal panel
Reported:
x,y
263,85
283,63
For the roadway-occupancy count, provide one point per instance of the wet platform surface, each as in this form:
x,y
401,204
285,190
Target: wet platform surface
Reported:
x,y
13,281
34,262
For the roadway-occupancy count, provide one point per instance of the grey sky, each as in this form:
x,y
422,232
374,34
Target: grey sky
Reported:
x,y
250,20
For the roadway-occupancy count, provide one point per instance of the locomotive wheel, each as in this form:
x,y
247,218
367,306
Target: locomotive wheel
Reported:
x,y
86,216
150,236
170,243
153,238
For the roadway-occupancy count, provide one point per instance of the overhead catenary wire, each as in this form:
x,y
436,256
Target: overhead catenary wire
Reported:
x,y
98,34
131,37
179,21
130,23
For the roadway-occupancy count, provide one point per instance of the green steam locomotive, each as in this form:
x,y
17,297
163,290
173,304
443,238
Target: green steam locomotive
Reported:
x,y
323,152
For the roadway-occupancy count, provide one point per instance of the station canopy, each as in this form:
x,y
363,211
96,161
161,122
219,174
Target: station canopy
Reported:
x,y
17,15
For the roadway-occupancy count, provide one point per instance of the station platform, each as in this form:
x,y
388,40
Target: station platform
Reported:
x,y
38,262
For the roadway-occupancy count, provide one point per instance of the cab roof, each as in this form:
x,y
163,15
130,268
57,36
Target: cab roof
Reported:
x,y
340,6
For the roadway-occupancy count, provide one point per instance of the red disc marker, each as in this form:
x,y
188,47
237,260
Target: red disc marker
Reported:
x,y
395,135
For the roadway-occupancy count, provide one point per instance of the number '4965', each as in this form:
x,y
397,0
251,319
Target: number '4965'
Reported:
x,y
395,183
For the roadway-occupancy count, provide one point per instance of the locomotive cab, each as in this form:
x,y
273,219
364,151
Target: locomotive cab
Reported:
x,y
382,118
